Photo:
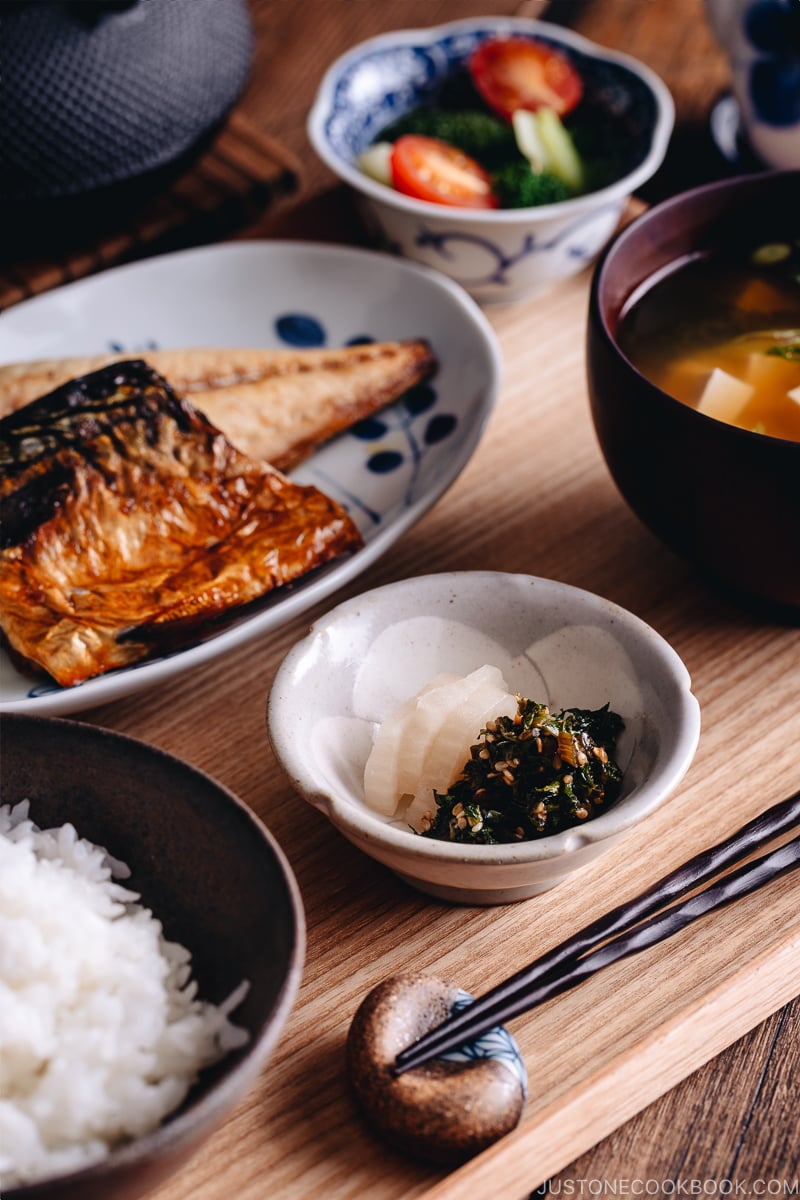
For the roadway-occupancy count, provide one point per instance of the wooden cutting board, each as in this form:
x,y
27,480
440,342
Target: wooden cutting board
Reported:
x,y
536,498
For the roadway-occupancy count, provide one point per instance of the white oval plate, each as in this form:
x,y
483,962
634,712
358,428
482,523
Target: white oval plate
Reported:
x,y
387,473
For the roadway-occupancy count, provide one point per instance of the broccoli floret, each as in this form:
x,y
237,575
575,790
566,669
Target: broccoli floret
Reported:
x,y
517,186
483,137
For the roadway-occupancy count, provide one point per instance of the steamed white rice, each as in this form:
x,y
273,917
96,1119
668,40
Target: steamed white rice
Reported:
x,y
101,1032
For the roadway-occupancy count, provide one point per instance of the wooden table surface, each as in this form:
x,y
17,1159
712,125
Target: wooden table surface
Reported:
x,y
595,1125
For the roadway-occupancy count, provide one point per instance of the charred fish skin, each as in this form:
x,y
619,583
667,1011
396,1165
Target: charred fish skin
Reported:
x,y
36,467
130,519
80,409
275,405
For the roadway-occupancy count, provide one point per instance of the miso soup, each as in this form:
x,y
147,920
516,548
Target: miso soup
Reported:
x,y
722,334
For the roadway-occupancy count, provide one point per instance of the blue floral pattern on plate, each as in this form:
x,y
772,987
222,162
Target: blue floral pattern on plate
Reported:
x,y
387,472
400,421
305,331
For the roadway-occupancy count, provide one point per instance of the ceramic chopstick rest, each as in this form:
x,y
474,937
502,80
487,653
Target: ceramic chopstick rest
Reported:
x,y
449,1109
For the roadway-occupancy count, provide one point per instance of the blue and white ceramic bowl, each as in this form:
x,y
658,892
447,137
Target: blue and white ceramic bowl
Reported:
x,y
495,254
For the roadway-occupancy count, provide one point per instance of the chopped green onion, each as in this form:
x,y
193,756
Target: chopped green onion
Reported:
x,y
771,252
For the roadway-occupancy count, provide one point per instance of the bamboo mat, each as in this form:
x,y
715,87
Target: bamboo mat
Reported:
x,y
240,174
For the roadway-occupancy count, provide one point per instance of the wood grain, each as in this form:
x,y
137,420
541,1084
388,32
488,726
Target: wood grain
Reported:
x,y
738,1112
535,498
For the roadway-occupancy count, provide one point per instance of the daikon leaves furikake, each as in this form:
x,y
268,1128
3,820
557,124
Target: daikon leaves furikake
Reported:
x,y
531,775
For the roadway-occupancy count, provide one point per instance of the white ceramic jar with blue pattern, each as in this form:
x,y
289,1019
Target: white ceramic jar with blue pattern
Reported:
x,y
762,41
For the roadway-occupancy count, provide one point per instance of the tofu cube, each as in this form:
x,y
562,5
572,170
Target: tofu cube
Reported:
x,y
724,396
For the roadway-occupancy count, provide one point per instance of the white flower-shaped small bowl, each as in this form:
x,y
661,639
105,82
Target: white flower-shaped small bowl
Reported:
x,y
495,254
553,642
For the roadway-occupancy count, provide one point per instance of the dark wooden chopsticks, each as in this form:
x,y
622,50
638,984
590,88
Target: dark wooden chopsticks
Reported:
x,y
642,922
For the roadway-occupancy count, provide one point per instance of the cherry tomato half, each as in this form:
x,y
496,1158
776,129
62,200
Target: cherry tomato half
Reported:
x,y
429,169
515,72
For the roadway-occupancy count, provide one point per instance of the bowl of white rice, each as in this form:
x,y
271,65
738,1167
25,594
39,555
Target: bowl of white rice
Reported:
x,y
151,947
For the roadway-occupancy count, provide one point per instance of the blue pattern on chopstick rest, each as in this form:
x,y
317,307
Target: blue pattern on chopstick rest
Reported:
x,y
496,1043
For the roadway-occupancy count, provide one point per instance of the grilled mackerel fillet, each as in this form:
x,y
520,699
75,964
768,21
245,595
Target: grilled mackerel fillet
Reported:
x,y
277,405
128,520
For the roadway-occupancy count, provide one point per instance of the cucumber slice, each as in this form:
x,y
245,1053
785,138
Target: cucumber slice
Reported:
x,y
529,143
376,162
561,156
542,138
